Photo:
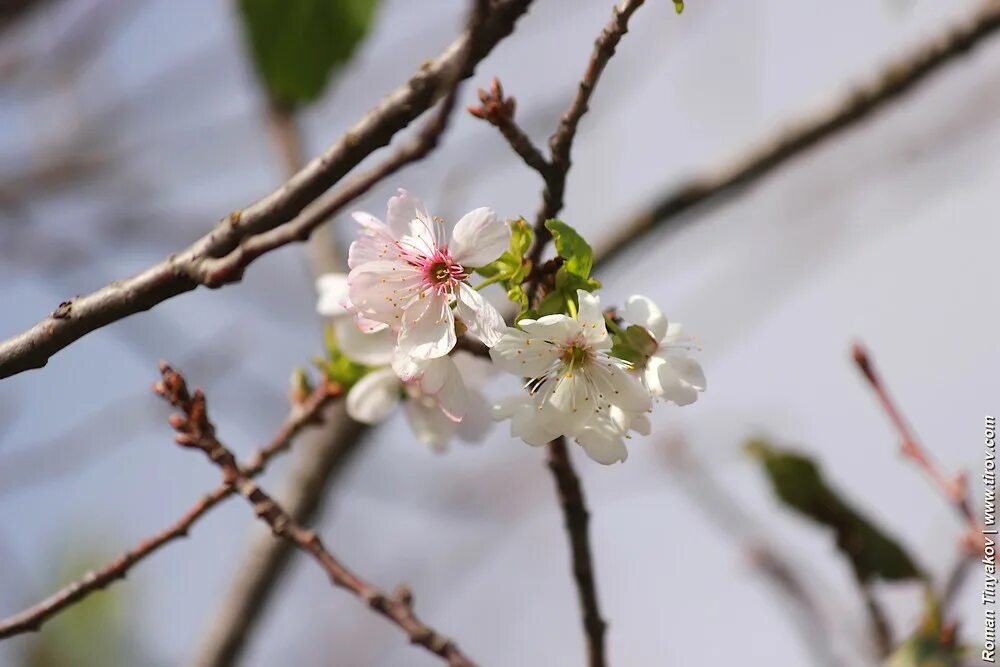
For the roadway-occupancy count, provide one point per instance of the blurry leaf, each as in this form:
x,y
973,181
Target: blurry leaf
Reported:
x,y
679,6
798,483
336,365
93,632
578,256
932,645
296,44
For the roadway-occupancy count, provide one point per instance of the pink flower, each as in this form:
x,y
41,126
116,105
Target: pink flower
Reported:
x,y
405,273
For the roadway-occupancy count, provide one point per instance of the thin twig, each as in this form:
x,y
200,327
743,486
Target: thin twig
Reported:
x,y
561,141
498,110
956,489
302,415
577,520
221,256
892,82
195,430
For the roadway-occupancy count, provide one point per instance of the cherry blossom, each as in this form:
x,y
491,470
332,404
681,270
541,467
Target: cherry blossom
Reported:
x,y
573,383
407,275
669,372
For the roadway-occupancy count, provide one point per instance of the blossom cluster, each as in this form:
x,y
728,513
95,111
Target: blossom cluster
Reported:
x,y
396,319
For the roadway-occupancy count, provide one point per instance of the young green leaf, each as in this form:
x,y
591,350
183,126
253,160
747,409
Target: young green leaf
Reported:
x,y
578,256
336,365
798,484
296,44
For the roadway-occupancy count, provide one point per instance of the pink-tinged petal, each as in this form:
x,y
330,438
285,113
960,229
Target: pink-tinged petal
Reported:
x,y
428,329
332,291
402,210
442,381
368,326
374,396
372,349
382,289
375,241
642,311
479,238
431,426
591,319
483,320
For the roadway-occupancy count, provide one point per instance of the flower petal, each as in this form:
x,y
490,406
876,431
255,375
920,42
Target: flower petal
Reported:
x,y
375,241
428,328
603,442
374,396
476,424
518,353
482,319
591,319
442,380
332,291
673,388
555,328
402,210
479,238
381,289
641,310
372,349
619,388
688,370
431,426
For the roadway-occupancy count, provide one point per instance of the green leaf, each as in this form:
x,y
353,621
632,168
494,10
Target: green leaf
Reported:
x,y
296,44
679,6
578,256
798,483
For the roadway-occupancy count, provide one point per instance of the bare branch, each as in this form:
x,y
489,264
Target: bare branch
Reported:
x,y
195,430
892,82
302,415
577,520
498,110
221,256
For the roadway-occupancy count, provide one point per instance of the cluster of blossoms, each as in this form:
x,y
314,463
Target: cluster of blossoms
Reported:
x,y
397,316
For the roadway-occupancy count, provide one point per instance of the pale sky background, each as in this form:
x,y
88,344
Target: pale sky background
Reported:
x,y
886,234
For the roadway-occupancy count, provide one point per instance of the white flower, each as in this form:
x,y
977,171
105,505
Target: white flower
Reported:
x,y
435,399
669,372
407,275
574,383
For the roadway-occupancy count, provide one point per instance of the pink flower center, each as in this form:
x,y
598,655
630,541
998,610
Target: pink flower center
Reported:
x,y
441,273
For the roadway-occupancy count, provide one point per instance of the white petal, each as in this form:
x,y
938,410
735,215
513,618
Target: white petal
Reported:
x,y
688,370
332,291
482,319
527,424
591,319
479,238
571,395
557,328
651,375
374,396
372,349
519,354
603,442
507,406
673,388
642,311
429,424
407,368
428,328
640,424
402,210
618,387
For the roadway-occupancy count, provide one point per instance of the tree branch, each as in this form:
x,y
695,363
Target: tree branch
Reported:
x,y
221,256
196,431
577,519
892,82
302,415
